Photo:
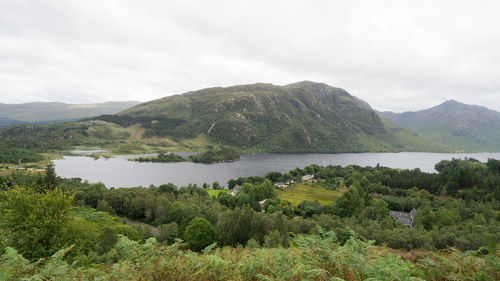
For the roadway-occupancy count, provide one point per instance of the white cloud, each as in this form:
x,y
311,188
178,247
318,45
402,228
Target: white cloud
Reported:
x,y
394,54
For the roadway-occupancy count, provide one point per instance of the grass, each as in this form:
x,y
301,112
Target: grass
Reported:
x,y
410,141
131,149
307,191
200,142
215,192
136,132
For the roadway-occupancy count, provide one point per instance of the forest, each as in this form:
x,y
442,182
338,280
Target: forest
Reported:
x,y
84,230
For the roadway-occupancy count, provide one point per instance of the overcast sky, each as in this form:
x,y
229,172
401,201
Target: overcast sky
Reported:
x,y
396,55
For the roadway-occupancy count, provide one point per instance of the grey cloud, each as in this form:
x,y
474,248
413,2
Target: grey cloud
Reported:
x,y
394,54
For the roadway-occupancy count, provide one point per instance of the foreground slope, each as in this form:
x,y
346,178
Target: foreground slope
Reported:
x,y
299,117
45,112
465,127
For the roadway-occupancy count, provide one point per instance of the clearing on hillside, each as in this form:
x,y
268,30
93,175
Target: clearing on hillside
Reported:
x,y
215,192
297,193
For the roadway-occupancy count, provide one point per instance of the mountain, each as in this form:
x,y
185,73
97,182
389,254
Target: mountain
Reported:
x,y
299,117
5,122
46,112
464,127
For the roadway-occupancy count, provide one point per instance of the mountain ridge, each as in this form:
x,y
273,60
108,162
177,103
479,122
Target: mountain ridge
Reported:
x,y
47,112
304,116
465,127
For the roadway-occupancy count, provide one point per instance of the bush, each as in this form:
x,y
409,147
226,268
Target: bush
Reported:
x,y
199,233
168,232
36,224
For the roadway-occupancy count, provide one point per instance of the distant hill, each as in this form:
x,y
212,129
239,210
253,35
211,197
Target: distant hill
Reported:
x,y
47,112
5,121
464,127
299,117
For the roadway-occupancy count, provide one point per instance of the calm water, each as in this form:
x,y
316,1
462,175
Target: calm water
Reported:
x,y
119,172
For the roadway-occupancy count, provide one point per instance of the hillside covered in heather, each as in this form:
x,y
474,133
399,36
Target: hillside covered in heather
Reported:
x,y
299,117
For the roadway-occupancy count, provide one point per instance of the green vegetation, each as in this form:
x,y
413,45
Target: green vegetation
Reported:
x,y
199,234
461,127
11,155
5,122
66,229
300,117
25,141
314,257
54,230
38,224
38,143
35,224
215,192
412,141
45,112
162,158
297,193
222,154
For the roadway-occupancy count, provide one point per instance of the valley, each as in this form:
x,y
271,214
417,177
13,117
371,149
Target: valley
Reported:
x,y
259,170
245,141
304,117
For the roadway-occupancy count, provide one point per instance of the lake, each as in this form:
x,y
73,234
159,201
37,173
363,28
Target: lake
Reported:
x,y
119,172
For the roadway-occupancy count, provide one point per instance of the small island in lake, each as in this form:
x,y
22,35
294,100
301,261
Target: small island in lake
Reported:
x,y
162,158
222,154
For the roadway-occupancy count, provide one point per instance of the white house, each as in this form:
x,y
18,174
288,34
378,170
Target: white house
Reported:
x,y
281,185
261,203
235,190
307,178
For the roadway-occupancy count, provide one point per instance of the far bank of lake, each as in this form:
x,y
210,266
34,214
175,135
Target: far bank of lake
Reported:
x,y
119,172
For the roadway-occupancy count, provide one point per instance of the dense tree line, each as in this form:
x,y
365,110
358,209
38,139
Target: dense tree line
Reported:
x,y
462,221
255,217
455,177
11,155
162,158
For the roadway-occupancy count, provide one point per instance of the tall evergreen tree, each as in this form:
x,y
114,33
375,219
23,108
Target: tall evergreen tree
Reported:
x,y
50,176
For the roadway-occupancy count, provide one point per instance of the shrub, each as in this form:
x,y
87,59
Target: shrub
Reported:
x,y
199,233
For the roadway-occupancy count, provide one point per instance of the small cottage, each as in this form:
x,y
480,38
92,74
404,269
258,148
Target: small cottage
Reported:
x,y
235,190
281,185
261,203
405,218
307,178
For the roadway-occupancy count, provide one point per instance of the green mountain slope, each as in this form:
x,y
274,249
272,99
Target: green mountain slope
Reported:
x,y
464,127
5,121
300,117
44,112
